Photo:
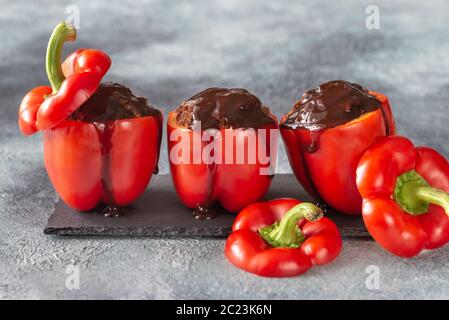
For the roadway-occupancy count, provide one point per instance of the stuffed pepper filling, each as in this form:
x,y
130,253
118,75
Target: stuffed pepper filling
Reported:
x,y
113,101
222,108
332,104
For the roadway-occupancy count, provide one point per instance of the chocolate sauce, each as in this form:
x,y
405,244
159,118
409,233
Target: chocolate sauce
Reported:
x,y
224,108
114,211
113,101
331,104
206,211
156,167
104,133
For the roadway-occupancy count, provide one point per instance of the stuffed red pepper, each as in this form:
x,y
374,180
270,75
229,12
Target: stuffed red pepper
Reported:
x,y
222,149
101,143
326,133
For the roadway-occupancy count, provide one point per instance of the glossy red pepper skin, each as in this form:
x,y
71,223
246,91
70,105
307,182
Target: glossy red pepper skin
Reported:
x,y
199,184
86,60
246,249
327,171
74,91
29,107
394,229
76,161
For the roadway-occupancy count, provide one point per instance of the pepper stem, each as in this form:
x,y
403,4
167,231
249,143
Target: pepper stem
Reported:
x,y
62,33
414,194
286,233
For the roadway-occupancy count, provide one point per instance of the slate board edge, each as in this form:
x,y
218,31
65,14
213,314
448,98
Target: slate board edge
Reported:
x,y
218,233
158,232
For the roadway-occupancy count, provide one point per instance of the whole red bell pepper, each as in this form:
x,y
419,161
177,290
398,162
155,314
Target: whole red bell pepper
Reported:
x,y
325,161
89,163
71,84
201,185
282,238
405,196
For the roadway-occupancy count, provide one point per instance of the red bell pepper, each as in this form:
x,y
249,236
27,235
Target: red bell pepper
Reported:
x,y
110,163
282,238
200,185
405,196
88,163
325,161
72,83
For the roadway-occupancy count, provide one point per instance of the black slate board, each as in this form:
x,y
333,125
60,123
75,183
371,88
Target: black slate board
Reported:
x,y
159,213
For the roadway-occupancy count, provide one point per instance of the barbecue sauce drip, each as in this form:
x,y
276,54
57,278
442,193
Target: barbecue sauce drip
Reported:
x,y
110,103
331,104
217,108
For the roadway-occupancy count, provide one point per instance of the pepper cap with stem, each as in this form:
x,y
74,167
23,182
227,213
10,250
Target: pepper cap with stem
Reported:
x,y
286,232
414,194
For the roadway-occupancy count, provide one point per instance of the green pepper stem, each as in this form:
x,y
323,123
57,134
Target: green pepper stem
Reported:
x,y
286,233
62,33
413,194
434,196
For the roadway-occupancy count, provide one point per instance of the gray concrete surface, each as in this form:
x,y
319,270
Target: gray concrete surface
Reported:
x,y
168,50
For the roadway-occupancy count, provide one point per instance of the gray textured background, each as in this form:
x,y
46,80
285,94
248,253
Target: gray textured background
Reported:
x,y
169,50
